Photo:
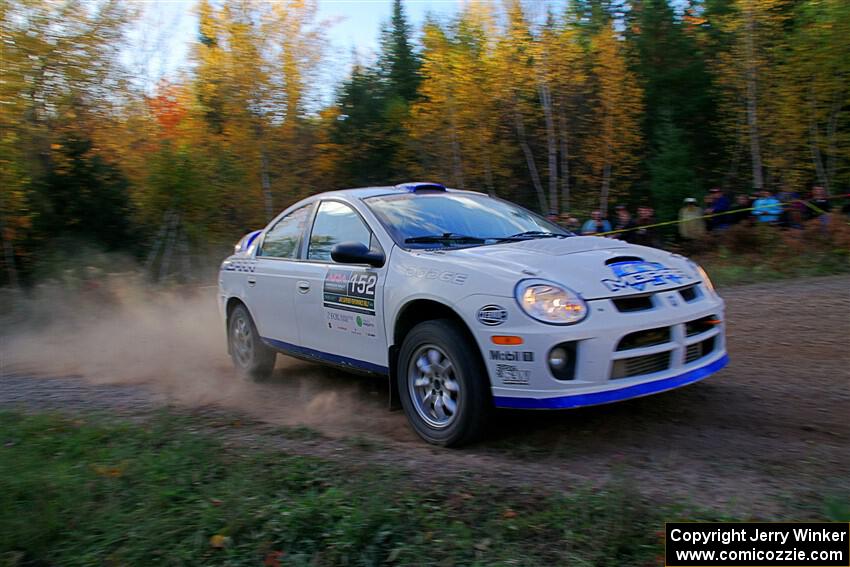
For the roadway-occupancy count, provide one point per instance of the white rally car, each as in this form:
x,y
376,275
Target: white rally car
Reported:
x,y
467,302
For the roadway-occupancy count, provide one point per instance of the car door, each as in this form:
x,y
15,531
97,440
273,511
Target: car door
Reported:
x,y
340,306
271,289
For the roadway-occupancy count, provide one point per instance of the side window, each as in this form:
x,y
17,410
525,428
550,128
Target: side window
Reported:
x,y
282,239
335,223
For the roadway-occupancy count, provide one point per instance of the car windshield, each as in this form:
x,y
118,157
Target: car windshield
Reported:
x,y
440,220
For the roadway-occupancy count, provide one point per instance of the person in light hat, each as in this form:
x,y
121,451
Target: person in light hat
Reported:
x,y
691,223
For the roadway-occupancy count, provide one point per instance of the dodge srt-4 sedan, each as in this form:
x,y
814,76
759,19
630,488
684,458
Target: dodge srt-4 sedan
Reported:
x,y
468,303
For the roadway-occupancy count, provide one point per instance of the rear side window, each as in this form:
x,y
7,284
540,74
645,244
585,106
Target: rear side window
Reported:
x,y
335,223
282,239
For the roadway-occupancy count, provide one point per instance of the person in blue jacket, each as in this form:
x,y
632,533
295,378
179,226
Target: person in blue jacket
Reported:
x,y
595,224
767,208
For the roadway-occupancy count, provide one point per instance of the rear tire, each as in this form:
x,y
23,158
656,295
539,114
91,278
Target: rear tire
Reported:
x,y
251,357
442,384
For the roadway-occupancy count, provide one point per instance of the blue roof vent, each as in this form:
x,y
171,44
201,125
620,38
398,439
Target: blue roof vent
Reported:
x,y
422,187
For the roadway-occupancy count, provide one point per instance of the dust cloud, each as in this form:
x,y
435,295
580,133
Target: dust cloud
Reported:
x,y
122,331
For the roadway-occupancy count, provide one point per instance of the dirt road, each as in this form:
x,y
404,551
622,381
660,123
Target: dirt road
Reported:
x,y
770,435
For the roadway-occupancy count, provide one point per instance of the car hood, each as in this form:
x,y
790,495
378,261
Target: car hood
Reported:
x,y
593,266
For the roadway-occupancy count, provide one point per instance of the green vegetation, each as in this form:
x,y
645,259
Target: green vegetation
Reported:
x,y
76,492
755,254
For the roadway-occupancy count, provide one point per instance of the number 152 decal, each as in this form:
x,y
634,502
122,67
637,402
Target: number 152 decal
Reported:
x,y
351,291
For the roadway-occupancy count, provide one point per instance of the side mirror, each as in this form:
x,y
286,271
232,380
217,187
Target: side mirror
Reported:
x,y
356,253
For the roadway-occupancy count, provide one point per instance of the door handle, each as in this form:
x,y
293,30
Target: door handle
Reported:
x,y
252,282
303,286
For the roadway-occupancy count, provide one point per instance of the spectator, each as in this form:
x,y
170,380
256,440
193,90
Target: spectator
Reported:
x,y
793,208
569,222
596,224
623,223
644,234
552,217
691,223
718,204
740,211
818,205
767,208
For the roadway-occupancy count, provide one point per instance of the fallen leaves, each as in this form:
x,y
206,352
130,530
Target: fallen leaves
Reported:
x,y
219,541
273,559
110,471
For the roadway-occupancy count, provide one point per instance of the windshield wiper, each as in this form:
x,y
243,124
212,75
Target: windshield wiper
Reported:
x,y
531,234
445,237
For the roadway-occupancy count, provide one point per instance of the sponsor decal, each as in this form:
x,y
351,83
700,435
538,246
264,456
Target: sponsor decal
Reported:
x,y
355,324
492,315
510,374
512,355
351,291
339,321
456,278
639,275
238,265
364,326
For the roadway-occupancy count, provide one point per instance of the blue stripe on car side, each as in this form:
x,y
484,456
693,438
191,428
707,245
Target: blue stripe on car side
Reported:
x,y
326,356
595,398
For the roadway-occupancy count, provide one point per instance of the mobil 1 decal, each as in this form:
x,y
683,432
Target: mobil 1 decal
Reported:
x,y
351,290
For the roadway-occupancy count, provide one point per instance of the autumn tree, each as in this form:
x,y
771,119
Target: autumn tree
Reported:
x,y
812,98
613,139
60,73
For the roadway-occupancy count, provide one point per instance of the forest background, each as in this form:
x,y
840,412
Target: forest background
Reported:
x,y
585,105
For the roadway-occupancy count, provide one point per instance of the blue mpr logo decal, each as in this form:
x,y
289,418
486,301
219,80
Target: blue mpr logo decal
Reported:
x,y
638,275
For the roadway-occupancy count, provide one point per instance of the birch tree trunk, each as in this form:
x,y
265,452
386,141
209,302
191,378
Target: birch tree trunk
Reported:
x,y
752,101
529,158
169,246
266,184
832,143
817,158
157,243
565,159
488,174
457,160
606,186
9,257
186,260
551,144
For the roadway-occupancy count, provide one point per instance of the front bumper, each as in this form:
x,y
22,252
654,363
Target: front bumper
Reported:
x,y
609,367
615,395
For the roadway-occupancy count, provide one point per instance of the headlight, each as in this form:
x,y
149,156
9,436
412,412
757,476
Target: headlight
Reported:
x,y
550,303
704,276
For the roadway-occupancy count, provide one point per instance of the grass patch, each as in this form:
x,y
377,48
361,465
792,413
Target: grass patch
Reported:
x,y
756,254
84,492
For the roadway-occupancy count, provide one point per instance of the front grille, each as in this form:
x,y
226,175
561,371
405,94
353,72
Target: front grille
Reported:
x,y
633,303
700,325
689,293
639,365
699,350
649,337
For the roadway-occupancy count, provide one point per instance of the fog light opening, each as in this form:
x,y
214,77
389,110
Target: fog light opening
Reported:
x,y
558,358
562,361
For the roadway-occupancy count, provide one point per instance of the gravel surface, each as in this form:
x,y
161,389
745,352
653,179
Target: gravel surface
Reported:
x,y
770,435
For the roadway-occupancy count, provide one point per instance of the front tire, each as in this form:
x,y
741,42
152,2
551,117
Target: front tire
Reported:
x,y
442,384
251,357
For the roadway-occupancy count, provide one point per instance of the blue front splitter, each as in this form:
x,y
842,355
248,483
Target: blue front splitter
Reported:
x,y
608,396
